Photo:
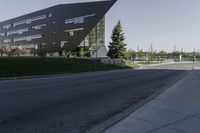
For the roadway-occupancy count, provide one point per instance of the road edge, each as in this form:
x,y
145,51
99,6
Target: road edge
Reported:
x,y
110,122
58,75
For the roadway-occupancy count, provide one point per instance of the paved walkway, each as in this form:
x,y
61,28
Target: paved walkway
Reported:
x,y
177,110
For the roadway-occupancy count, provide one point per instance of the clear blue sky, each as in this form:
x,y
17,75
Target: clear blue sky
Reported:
x,y
164,23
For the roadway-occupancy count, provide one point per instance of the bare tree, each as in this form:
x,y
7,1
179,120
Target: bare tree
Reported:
x,y
15,52
25,52
6,49
1,51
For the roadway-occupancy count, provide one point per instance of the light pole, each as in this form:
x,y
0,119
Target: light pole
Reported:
x,y
194,55
151,52
96,49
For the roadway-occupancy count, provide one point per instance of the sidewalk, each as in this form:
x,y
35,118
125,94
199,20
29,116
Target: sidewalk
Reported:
x,y
177,110
168,63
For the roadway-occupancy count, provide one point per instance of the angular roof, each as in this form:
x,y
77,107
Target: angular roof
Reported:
x,y
74,5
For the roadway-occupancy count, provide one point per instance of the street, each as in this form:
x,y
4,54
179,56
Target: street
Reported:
x,y
76,103
174,66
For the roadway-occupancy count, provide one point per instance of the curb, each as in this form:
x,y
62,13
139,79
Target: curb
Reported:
x,y
196,68
58,75
110,122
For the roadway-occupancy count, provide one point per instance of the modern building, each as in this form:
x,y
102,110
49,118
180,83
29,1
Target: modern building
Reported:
x,y
63,28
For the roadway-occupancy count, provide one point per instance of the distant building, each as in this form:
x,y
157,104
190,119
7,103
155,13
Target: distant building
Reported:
x,y
65,27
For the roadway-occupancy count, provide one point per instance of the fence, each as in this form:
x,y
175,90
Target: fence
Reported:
x,y
116,62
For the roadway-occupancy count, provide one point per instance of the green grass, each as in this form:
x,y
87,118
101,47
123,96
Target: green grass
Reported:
x,y
16,67
147,62
133,66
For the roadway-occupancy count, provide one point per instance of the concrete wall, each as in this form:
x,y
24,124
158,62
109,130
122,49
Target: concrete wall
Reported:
x,y
116,62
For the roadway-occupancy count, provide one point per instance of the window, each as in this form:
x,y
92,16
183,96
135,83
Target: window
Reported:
x,y
53,22
20,31
27,38
7,26
11,32
62,43
6,40
78,20
30,20
38,18
2,34
36,36
43,44
38,27
78,29
71,32
19,23
26,46
50,15
19,39
36,46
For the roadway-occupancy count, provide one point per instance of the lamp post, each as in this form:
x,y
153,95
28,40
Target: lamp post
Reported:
x,y
194,55
96,49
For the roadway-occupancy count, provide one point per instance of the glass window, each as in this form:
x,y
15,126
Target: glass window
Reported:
x,y
43,44
27,38
38,18
50,15
78,29
38,27
62,43
19,31
2,34
19,23
7,26
95,38
78,20
53,22
7,40
28,21
71,31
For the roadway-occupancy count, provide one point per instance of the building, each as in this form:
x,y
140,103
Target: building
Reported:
x,y
65,28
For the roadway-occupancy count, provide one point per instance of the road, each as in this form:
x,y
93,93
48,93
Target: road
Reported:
x,y
174,66
73,104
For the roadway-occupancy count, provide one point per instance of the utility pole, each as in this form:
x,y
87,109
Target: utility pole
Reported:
x,y
149,49
174,48
138,49
148,54
96,49
151,52
194,55
174,52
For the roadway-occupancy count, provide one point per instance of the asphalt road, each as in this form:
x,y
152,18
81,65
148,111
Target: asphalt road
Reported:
x,y
73,104
174,66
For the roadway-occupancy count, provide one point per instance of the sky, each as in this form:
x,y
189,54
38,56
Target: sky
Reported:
x,y
163,23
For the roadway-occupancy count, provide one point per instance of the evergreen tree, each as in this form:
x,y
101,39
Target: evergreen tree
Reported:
x,y
117,47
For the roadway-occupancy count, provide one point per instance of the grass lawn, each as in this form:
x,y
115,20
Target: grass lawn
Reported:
x,y
133,66
19,66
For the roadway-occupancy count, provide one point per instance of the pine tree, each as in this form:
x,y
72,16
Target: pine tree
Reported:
x,y
117,47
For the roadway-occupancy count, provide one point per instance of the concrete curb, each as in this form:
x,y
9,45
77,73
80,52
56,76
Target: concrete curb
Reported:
x,y
110,122
57,75
196,68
